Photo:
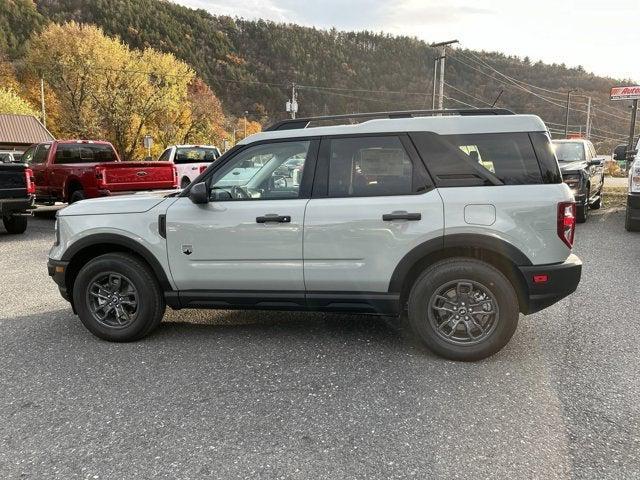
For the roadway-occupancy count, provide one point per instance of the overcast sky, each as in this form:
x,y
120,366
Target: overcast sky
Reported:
x,y
601,35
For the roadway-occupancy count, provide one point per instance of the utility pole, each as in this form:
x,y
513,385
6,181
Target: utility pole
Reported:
x,y
435,80
44,112
632,134
443,54
588,132
566,121
292,105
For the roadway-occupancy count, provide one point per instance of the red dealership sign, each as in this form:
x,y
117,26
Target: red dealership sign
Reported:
x,y
625,93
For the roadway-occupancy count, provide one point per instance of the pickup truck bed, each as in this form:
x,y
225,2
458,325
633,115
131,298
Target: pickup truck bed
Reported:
x,y
17,195
72,170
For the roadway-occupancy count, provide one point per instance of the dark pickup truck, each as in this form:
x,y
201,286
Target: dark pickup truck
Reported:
x,y
17,196
72,170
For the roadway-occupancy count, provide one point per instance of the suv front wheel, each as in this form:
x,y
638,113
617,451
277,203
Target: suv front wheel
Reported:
x,y
118,298
463,309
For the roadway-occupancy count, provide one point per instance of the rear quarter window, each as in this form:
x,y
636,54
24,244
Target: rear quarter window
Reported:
x,y
480,159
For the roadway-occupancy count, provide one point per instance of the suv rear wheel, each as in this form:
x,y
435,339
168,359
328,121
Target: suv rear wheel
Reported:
x,y
118,298
463,309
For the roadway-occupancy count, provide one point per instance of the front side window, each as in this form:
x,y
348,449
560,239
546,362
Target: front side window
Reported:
x,y
269,171
84,153
27,156
369,166
40,155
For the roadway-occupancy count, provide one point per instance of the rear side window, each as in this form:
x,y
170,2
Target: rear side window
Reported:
x,y
369,166
479,159
84,153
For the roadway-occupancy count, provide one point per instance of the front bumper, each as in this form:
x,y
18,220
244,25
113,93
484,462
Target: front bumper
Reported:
x,y
562,280
57,270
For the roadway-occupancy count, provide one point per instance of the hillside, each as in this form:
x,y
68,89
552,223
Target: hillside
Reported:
x,y
250,65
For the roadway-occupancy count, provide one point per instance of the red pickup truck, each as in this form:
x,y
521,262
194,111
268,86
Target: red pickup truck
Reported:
x,y
72,170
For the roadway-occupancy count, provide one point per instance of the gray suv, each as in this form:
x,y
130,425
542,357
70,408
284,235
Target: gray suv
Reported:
x,y
449,222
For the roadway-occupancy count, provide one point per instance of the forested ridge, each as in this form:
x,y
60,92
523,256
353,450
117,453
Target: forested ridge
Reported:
x,y
250,65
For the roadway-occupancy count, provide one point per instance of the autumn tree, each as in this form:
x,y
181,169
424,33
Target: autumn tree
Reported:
x,y
11,102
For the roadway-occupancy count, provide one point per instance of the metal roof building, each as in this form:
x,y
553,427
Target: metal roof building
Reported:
x,y
17,132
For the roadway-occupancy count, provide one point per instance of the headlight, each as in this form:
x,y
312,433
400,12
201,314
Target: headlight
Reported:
x,y
634,179
57,230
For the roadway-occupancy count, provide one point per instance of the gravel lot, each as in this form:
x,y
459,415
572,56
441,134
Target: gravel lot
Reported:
x,y
272,395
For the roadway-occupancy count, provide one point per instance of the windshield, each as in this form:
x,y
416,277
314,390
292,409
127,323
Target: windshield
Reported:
x,y
196,154
569,152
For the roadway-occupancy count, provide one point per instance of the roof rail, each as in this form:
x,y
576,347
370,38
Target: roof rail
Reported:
x,y
298,123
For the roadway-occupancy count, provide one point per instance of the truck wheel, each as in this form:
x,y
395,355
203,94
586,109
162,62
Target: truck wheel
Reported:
x,y
15,224
598,203
184,183
118,298
582,212
76,196
463,309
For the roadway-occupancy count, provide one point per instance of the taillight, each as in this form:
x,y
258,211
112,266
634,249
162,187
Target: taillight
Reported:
x,y
567,222
203,168
101,176
28,181
175,177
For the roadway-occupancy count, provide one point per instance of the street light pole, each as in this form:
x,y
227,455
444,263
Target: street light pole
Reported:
x,y
566,121
443,54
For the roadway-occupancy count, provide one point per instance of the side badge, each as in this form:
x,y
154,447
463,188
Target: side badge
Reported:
x,y
187,249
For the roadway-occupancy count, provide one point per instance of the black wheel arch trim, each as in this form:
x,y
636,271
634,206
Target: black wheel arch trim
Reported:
x,y
458,240
123,242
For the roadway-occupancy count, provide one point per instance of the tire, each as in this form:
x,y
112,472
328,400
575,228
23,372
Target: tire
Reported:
x,y
429,321
184,183
582,212
141,320
598,203
15,224
76,196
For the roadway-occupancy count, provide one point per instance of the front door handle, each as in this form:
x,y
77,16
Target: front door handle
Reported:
x,y
274,218
414,217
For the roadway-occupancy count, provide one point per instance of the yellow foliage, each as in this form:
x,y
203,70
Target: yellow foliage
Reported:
x,y
11,102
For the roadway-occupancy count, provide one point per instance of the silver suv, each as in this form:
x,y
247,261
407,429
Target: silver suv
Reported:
x,y
450,222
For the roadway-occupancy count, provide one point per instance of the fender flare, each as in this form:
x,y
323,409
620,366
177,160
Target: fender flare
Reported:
x,y
123,242
458,240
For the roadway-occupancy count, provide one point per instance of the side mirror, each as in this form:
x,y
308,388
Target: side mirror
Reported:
x,y
620,152
199,193
596,162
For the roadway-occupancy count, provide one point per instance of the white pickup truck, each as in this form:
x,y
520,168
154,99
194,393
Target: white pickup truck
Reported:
x,y
190,160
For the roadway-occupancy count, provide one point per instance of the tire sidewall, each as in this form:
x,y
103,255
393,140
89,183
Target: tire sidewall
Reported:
x,y
15,225
76,196
149,298
463,269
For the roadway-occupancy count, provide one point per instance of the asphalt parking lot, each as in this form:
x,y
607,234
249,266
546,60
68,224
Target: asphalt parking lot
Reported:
x,y
272,395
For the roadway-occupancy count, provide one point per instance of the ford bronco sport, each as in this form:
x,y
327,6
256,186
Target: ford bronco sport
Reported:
x,y
451,222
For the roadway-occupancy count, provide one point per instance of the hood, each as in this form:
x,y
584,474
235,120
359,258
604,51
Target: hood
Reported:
x,y
136,203
572,166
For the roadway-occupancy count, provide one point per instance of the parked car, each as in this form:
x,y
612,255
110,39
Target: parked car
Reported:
x,y
190,160
632,217
583,170
72,170
10,156
393,217
17,196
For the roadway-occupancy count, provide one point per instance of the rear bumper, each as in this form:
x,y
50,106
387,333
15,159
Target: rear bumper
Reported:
x,y
562,280
17,205
57,270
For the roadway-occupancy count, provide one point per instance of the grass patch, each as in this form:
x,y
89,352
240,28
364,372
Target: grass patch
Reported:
x,y
614,197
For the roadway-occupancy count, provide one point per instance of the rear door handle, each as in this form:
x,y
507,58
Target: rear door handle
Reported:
x,y
274,218
414,217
